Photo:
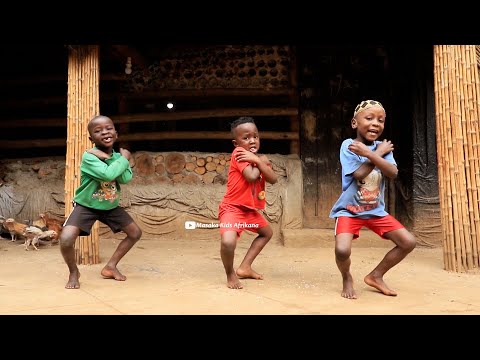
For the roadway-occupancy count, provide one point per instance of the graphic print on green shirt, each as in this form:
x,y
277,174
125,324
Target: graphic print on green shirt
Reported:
x,y
100,181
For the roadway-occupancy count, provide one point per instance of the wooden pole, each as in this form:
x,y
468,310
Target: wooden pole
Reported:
x,y
82,105
457,110
444,185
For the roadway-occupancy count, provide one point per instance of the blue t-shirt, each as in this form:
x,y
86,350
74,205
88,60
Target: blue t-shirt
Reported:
x,y
364,198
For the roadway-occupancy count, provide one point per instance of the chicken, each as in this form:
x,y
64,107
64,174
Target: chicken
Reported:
x,y
33,236
2,229
53,223
14,228
40,223
47,234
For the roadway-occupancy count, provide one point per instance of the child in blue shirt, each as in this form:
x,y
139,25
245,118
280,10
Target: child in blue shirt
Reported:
x,y
366,162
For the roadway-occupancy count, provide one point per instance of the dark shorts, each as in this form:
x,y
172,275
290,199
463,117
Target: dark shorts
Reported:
x,y
378,224
83,218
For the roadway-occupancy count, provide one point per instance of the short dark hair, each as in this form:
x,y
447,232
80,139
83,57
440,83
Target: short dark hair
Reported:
x,y
240,121
92,120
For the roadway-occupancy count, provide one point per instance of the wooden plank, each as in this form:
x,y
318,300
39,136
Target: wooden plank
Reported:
x,y
208,113
171,94
271,135
35,80
163,116
47,101
34,143
179,93
170,135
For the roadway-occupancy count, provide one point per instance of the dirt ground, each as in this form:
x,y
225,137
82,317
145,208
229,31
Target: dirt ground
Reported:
x,y
175,276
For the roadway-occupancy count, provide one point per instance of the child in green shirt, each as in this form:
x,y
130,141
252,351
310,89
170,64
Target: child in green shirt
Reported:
x,y
97,198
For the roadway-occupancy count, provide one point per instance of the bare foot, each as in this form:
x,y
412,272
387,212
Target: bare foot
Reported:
x,y
73,282
348,292
112,273
379,284
233,282
248,274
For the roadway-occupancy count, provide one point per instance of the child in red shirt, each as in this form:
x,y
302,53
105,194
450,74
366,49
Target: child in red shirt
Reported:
x,y
245,194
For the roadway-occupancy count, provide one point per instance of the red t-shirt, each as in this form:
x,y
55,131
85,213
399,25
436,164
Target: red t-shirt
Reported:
x,y
239,190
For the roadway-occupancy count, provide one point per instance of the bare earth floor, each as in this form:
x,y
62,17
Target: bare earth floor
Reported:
x,y
187,277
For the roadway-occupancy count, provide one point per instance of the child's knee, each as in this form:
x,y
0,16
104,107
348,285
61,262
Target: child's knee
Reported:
x,y
67,241
410,242
228,245
342,253
136,234
266,232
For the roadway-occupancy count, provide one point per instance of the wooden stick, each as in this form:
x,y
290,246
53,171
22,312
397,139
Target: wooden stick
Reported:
x,y
470,165
455,160
466,182
473,93
443,147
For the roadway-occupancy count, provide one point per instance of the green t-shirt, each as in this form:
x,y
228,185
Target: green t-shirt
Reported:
x,y
100,181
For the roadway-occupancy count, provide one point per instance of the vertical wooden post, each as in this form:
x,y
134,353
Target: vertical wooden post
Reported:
x,y
294,120
82,105
124,127
457,109
295,126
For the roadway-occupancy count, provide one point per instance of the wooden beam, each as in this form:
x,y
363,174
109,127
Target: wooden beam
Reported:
x,y
37,143
170,135
203,114
162,116
17,123
217,135
51,100
52,78
172,94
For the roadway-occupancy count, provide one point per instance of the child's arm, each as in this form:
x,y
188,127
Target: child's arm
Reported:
x,y
263,166
99,153
127,175
125,153
375,159
101,171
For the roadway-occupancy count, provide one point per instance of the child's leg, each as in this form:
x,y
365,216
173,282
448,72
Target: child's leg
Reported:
x,y
405,242
343,250
67,248
110,270
227,253
245,270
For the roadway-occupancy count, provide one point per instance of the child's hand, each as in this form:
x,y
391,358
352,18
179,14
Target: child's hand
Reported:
x,y
384,147
359,148
245,155
125,153
99,154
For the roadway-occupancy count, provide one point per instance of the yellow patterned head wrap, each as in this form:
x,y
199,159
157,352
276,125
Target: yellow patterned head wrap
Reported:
x,y
366,104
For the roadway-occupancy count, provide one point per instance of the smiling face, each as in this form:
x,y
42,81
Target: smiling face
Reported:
x,y
102,132
369,124
246,136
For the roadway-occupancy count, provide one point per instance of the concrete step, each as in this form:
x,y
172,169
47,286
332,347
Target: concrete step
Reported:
x,y
314,238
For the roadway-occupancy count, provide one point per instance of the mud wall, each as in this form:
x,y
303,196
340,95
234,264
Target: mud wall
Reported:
x,y
167,190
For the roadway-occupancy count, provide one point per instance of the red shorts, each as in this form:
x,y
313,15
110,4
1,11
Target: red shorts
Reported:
x,y
239,218
378,224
